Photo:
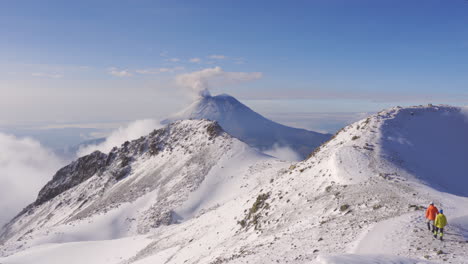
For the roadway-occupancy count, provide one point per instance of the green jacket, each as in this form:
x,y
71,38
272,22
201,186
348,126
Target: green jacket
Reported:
x,y
440,221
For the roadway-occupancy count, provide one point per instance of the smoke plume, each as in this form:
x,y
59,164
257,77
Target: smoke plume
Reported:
x,y
200,82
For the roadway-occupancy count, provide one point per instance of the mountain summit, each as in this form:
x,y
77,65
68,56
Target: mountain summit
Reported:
x,y
166,177
242,122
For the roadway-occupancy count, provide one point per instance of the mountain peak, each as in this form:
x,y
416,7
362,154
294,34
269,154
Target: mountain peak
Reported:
x,y
426,144
118,161
167,166
222,96
245,124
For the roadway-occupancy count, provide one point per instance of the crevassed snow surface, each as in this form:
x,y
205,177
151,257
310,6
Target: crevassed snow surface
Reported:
x,y
358,199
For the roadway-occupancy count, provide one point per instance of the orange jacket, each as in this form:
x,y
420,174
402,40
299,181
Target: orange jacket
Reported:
x,y
431,212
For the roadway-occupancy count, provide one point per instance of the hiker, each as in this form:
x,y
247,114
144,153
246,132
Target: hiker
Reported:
x,y
440,223
431,213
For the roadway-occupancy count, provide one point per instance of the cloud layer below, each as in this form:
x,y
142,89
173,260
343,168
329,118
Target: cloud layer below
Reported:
x,y
131,131
25,166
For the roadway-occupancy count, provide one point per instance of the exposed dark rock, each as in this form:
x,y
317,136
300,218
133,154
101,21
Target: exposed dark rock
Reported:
x,y
154,149
101,172
72,175
121,173
213,129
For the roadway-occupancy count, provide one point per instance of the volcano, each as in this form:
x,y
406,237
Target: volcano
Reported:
x,y
245,124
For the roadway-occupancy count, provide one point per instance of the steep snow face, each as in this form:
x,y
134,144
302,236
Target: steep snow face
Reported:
x,y
166,177
250,127
421,144
430,143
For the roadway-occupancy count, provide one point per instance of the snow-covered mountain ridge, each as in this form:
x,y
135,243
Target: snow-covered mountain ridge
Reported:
x,y
360,193
135,187
355,195
242,122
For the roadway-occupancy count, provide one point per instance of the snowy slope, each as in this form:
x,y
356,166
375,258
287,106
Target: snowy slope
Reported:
x,y
431,144
136,187
359,198
249,126
350,194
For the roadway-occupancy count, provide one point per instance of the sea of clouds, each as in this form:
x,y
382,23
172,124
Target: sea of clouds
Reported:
x,y
131,131
25,166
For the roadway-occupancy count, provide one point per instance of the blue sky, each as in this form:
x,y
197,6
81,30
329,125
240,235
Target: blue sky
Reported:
x,y
81,61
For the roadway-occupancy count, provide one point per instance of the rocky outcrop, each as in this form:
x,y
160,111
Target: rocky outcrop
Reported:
x,y
173,161
72,175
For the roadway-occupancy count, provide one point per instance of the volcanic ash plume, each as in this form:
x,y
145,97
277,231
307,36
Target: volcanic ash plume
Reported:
x,y
200,82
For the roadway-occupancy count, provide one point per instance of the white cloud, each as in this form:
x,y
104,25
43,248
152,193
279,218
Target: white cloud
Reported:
x,y
47,75
283,153
163,54
217,57
25,167
200,81
119,73
173,69
195,60
173,59
159,70
148,71
129,132
239,60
